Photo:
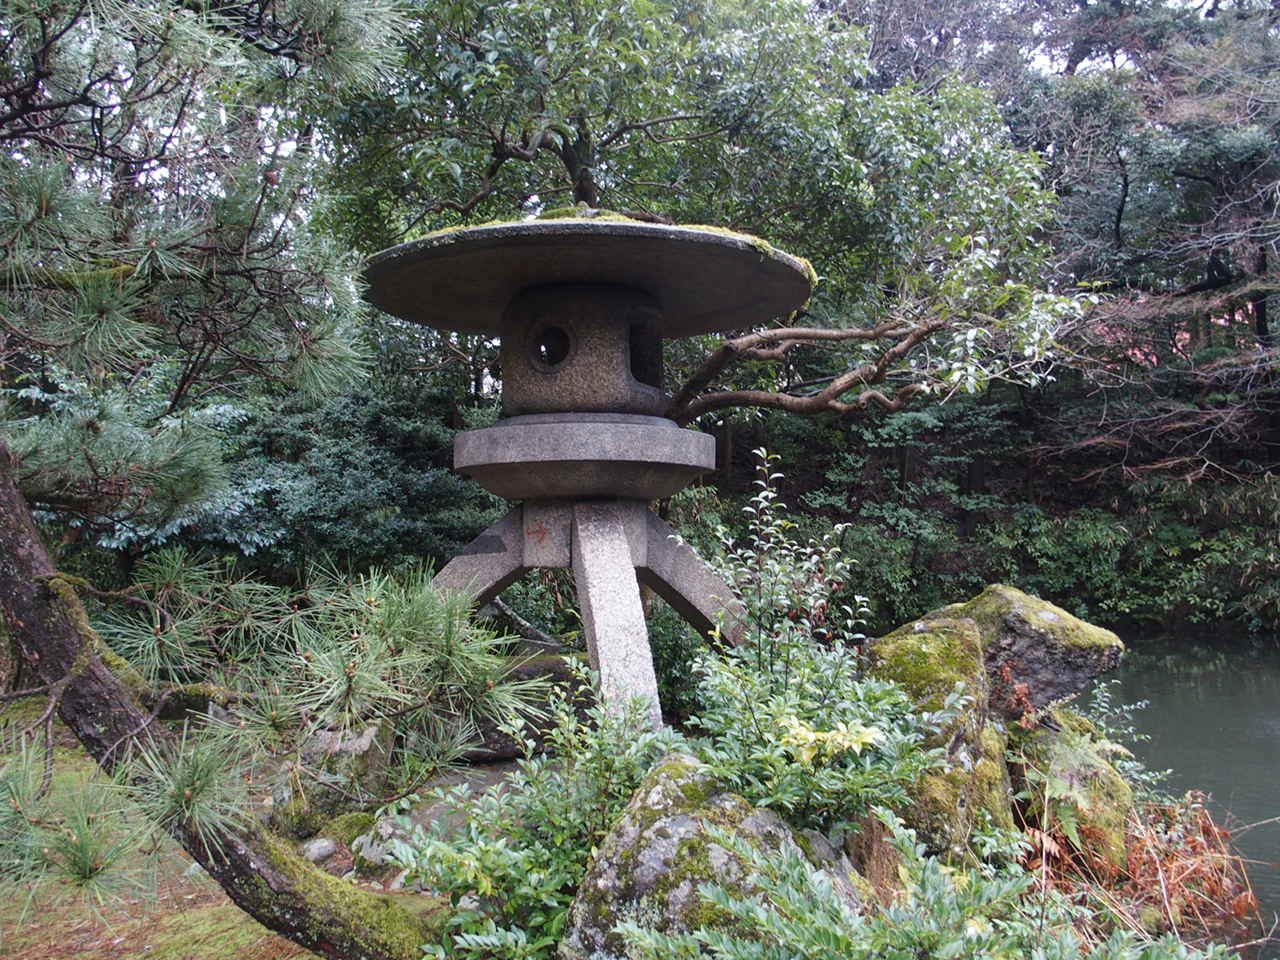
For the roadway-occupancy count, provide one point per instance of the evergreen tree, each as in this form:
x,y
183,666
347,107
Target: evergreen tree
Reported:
x,y
161,268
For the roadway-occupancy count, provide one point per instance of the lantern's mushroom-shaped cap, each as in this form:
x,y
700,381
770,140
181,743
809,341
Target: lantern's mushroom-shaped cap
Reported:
x,y
705,278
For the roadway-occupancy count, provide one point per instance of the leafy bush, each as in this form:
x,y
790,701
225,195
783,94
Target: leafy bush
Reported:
x,y
799,732
513,872
786,719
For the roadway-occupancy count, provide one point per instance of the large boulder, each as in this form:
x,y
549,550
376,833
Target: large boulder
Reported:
x,y
1013,656
650,866
1036,654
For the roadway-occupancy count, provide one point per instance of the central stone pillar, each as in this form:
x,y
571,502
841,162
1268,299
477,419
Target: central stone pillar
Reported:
x,y
612,615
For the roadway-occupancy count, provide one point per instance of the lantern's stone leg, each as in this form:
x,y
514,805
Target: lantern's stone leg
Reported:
x,y
683,579
617,638
488,564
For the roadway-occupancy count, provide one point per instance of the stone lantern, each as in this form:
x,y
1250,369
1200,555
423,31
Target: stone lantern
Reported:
x,y
582,307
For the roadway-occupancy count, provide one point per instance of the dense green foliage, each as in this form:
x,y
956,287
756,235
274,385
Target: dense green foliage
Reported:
x,y
1060,220
932,504
152,396
786,719
526,845
361,478
158,257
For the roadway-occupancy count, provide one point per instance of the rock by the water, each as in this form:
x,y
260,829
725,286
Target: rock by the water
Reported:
x,y
1015,655
649,868
1088,799
1036,654
318,849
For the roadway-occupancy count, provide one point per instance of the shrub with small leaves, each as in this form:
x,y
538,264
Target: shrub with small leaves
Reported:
x,y
810,738
787,718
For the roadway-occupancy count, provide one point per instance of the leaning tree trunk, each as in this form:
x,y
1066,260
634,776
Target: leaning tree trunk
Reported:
x,y
63,658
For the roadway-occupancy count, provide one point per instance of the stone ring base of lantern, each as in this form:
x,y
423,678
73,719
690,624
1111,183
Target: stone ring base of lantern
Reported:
x,y
584,456
612,546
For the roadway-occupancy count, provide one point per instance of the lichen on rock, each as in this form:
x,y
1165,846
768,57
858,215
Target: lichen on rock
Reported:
x,y
1073,787
1036,654
332,768
1013,656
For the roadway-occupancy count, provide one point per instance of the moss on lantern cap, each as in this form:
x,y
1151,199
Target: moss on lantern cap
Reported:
x,y
706,278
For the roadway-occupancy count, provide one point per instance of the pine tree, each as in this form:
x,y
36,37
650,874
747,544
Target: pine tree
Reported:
x,y
158,267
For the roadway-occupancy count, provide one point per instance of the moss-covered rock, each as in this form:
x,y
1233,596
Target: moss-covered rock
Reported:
x,y
334,772
649,868
1073,788
347,827
931,659
1014,656
292,816
1036,654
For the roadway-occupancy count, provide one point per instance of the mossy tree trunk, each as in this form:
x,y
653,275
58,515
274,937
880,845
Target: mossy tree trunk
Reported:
x,y
62,657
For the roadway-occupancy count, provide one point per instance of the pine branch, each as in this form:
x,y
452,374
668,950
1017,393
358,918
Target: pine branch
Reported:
x,y
50,279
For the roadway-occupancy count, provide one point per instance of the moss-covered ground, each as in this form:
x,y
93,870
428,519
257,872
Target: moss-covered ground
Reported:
x,y
162,911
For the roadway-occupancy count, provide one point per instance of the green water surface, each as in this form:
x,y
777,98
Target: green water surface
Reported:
x,y
1214,721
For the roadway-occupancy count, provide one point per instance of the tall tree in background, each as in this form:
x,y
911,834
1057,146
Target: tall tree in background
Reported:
x,y
157,180
1163,135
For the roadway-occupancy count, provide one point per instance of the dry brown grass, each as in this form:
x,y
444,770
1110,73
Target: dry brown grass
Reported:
x,y
1182,876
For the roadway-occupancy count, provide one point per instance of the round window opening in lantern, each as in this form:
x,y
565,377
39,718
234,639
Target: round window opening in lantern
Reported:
x,y
551,347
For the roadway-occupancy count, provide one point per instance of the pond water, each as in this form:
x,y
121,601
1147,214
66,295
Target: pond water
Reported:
x,y
1214,721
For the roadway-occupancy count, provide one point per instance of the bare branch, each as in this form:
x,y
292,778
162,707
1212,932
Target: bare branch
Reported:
x,y
753,346
648,125
528,632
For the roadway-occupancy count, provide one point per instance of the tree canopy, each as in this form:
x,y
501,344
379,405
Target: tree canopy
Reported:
x,y
923,219
159,257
